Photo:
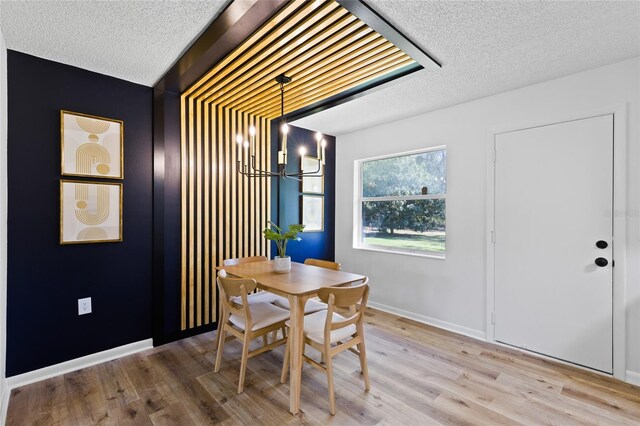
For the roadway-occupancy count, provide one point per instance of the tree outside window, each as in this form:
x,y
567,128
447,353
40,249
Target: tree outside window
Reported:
x,y
402,202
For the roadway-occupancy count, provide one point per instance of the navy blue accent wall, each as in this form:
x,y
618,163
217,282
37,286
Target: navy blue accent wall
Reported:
x,y
286,201
45,279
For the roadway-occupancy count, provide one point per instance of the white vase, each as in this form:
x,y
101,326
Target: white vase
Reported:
x,y
282,264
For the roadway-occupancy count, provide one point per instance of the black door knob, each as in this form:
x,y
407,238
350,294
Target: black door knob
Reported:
x,y
602,262
602,244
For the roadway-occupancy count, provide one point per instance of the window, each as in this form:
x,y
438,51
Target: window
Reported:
x,y
402,203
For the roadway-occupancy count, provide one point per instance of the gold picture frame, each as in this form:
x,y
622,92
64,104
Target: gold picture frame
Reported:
x,y
91,146
314,183
312,213
90,212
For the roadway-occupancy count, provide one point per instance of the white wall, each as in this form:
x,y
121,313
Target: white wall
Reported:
x,y
3,224
451,292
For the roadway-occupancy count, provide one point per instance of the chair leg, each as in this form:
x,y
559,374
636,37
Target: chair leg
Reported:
x,y
332,398
219,330
285,363
245,358
223,337
265,340
284,332
363,364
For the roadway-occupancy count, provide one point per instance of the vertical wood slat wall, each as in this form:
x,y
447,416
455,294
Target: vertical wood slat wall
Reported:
x,y
222,212
325,50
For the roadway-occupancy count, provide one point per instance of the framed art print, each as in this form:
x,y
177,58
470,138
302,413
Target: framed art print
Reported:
x,y
90,212
312,213
313,183
91,146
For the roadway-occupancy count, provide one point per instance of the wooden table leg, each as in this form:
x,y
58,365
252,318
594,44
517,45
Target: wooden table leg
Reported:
x,y
296,304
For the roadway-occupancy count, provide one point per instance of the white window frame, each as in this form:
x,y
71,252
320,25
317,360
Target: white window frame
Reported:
x,y
359,200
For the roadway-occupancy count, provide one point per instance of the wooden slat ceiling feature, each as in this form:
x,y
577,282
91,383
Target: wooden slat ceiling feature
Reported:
x,y
319,44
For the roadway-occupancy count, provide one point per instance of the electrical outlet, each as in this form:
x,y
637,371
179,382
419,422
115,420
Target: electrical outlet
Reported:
x,y
84,306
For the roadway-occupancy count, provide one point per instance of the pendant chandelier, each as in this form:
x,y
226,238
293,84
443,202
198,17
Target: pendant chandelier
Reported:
x,y
250,169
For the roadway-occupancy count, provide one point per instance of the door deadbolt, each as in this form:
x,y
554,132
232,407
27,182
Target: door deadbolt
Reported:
x,y
601,262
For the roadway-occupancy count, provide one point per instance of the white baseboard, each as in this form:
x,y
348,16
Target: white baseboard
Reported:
x,y
76,364
633,377
5,392
476,334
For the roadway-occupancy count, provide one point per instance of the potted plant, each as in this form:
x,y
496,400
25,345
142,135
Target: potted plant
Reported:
x,y
282,261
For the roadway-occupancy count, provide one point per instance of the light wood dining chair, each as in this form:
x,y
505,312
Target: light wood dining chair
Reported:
x,y
261,297
256,297
331,333
323,264
246,321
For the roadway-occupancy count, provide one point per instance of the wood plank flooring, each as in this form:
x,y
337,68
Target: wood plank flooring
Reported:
x,y
419,375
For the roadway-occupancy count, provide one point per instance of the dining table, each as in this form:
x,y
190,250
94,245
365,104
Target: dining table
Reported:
x,y
298,285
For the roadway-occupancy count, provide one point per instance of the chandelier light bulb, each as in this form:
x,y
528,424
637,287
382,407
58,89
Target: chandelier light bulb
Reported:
x,y
323,143
318,136
302,151
252,131
246,144
239,138
285,128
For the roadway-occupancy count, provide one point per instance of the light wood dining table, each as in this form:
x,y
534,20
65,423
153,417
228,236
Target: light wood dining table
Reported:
x,y
302,282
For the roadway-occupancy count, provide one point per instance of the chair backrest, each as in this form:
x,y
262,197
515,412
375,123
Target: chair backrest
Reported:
x,y
323,264
345,297
355,298
232,287
239,260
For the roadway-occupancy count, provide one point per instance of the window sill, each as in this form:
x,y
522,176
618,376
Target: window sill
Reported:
x,y
404,253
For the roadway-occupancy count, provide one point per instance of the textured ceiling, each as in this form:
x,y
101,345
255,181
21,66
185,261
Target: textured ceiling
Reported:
x,y
487,48
134,40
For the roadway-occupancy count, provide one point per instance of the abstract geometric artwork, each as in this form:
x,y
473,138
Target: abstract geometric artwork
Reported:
x,y
91,146
312,213
90,212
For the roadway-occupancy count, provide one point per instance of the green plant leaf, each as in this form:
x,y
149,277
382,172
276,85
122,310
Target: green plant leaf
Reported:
x,y
270,234
275,226
281,239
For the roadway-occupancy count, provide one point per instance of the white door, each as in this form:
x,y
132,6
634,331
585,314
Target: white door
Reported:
x,y
553,213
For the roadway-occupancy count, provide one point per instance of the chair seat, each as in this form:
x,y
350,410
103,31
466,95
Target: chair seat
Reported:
x,y
314,327
262,314
310,307
259,297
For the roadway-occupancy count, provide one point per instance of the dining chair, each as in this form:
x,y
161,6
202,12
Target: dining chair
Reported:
x,y
258,296
331,333
323,264
246,321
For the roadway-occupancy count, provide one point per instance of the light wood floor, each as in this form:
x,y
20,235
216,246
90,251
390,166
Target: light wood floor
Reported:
x,y
419,375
